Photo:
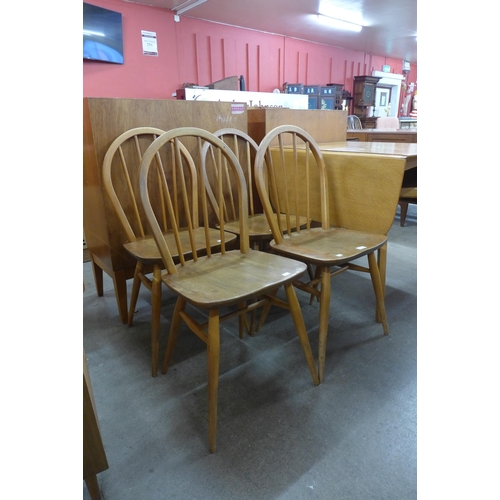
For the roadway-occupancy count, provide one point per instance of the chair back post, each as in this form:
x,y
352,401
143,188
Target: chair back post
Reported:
x,y
172,139
279,182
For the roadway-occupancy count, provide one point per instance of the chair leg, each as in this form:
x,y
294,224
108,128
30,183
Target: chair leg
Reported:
x,y
265,311
120,285
213,352
404,210
382,265
93,487
155,318
324,309
175,325
317,274
298,320
379,292
136,285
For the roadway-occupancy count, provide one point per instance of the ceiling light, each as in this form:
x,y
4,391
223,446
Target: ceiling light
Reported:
x,y
188,5
339,24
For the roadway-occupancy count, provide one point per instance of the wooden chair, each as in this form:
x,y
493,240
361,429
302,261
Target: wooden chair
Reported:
x,y
245,149
353,122
219,284
120,170
295,183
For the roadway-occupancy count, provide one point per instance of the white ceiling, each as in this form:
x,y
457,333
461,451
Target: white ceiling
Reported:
x,y
390,26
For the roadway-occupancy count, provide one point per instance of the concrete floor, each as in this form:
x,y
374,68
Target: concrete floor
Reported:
x,y
279,437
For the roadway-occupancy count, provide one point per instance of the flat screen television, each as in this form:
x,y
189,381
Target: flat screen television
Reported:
x,y
102,34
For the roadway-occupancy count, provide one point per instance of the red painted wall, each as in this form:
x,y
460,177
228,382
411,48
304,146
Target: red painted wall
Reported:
x,y
193,51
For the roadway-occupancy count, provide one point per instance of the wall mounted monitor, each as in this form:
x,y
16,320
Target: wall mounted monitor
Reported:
x,y
102,34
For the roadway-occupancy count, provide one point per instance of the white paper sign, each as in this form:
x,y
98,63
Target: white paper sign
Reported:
x,y
149,45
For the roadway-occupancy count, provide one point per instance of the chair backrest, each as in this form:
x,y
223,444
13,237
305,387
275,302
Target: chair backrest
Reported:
x,y
353,122
245,149
167,148
291,180
121,171
391,122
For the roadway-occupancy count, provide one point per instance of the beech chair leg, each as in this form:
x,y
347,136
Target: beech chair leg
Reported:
x,y
175,325
155,319
136,285
265,311
317,274
379,292
300,326
324,309
382,265
213,352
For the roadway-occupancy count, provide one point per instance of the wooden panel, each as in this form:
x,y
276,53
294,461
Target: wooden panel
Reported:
x,y
323,125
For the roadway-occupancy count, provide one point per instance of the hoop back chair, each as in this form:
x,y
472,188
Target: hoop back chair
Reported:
x,y
121,168
245,149
219,284
294,183
353,122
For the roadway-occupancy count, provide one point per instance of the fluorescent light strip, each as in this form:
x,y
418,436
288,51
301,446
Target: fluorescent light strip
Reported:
x,y
180,9
339,24
87,32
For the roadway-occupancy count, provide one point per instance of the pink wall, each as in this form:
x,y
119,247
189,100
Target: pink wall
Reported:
x,y
201,52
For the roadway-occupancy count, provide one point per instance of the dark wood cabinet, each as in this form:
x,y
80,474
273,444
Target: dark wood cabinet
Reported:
x,y
364,97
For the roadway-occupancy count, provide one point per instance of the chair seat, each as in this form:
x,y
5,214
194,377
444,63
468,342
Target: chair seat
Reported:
x,y
258,225
232,278
146,251
315,245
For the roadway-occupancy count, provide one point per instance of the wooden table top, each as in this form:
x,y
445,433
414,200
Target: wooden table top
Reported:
x,y
402,149
381,148
384,130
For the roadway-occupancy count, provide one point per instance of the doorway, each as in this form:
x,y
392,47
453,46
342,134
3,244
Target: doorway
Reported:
x,y
382,100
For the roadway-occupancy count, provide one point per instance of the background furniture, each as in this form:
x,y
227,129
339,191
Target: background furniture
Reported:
x,y
323,125
354,123
387,122
295,183
382,135
104,119
94,456
364,97
215,282
408,193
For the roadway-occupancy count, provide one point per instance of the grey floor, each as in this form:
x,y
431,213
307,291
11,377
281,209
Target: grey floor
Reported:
x,y
279,437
